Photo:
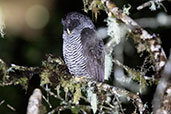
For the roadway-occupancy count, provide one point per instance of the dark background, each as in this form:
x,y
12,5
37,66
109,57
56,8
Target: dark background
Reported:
x,y
29,46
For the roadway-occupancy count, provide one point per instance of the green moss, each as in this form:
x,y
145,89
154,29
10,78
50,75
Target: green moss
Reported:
x,y
74,88
23,82
45,77
3,70
77,94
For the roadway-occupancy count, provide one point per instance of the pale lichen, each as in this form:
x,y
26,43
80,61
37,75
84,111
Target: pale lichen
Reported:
x,y
92,98
115,30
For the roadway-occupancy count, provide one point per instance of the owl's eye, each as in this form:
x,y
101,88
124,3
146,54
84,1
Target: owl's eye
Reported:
x,y
73,24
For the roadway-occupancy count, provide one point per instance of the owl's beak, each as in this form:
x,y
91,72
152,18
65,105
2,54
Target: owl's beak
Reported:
x,y
68,31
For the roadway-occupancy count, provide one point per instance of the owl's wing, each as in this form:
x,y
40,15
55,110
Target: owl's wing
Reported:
x,y
93,50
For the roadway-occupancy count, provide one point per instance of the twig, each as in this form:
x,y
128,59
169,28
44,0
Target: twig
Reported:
x,y
62,108
54,95
2,102
11,107
149,3
47,101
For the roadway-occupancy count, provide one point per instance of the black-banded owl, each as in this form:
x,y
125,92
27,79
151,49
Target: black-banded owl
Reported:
x,y
83,52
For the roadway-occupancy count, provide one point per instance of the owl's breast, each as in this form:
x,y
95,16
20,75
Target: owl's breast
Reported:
x,y
74,58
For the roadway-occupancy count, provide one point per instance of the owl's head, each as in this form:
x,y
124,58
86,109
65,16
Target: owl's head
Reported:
x,y
75,21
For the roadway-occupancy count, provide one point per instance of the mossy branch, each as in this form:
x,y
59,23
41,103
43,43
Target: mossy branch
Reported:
x,y
54,73
144,40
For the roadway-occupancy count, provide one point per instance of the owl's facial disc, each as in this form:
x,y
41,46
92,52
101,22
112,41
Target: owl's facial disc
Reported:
x,y
71,25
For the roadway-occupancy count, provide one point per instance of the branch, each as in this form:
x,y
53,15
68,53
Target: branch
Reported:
x,y
162,97
17,74
150,3
99,96
34,102
103,91
150,42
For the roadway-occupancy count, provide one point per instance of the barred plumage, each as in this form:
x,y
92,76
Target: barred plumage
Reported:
x,y
83,52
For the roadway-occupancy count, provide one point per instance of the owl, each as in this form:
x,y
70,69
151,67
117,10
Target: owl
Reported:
x,y
83,51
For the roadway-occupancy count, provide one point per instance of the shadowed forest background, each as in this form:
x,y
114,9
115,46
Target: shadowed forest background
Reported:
x,y
30,35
